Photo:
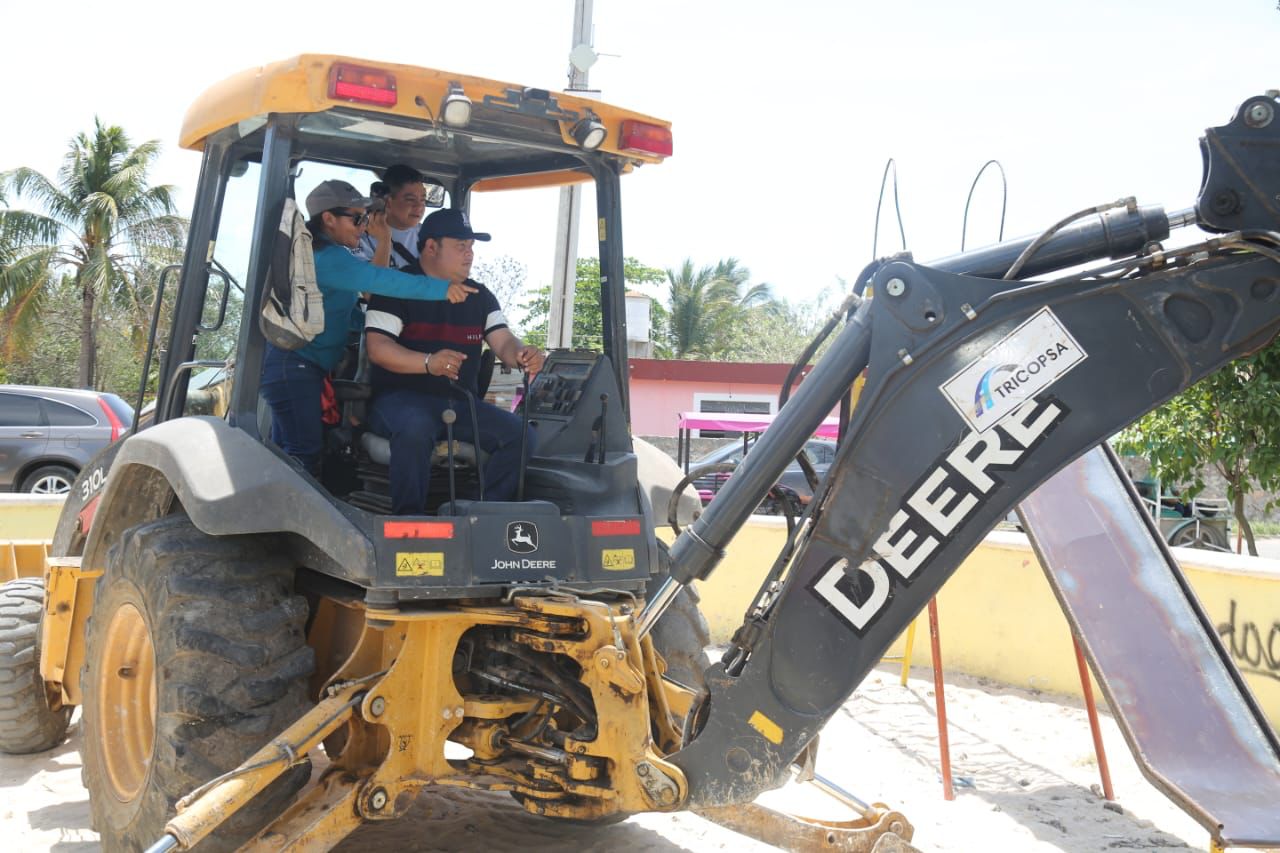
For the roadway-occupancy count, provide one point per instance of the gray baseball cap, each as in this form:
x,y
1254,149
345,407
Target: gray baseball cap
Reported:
x,y
331,194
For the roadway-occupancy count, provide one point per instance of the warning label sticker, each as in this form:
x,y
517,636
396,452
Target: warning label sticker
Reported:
x,y
420,563
618,559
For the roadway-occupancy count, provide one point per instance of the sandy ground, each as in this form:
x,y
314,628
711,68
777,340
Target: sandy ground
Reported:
x,y
1026,779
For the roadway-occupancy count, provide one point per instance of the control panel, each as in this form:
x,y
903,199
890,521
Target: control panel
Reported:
x,y
575,407
560,385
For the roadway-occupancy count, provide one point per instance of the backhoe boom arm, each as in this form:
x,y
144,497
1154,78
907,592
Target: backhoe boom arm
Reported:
x,y
977,391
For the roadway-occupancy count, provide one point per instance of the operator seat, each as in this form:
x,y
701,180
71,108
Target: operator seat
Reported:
x,y
373,451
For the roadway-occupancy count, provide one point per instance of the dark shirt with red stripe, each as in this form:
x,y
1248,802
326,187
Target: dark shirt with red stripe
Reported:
x,y
427,327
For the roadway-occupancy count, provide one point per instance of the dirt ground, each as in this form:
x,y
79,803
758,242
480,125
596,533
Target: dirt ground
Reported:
x,y
1024,767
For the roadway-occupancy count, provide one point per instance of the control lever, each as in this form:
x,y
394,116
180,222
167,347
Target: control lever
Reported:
x,y
449,416
525,402
475,429
604,410
597,434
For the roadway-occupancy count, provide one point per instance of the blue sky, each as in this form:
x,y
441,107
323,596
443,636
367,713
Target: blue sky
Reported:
x,y
784,113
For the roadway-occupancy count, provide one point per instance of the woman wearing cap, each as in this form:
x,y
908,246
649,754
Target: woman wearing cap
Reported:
x,y
293,380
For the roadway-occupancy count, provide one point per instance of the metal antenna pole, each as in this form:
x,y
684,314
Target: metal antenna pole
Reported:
x,y
564,278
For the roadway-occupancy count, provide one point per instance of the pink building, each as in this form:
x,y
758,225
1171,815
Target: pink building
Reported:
x,y
661,390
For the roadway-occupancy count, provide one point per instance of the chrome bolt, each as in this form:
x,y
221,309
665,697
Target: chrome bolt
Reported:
x,y
378,800
1259,115
905,356
643,769
377,706
895,287
448,712
967,310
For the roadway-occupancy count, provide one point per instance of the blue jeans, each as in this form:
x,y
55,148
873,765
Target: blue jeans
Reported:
x,y
412,421
292,386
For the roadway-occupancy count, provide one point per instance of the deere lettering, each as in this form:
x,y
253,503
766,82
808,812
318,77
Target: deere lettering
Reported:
x,y
932,512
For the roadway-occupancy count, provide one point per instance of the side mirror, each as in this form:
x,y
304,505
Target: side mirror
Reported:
x,y
435,193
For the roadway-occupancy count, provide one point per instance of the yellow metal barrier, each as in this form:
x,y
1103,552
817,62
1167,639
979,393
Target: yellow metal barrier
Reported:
x,y
22,559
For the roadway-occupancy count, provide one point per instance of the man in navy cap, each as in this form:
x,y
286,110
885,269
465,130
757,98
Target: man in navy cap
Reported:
x,y
418,349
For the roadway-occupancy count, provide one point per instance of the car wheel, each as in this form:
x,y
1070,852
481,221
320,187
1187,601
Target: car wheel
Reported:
x,y
1204,536
49,480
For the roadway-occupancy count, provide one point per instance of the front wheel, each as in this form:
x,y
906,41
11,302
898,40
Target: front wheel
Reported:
x,y
195,658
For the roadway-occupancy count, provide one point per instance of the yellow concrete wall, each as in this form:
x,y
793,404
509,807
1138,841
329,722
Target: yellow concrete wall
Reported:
x,y
29,516
999,619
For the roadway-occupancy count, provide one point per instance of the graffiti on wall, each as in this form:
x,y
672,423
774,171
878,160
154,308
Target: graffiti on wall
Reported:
x,y
1254,647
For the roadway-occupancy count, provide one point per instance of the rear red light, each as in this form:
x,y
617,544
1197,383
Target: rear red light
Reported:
x,y
116,426
417,529
365,85
644,138
624,527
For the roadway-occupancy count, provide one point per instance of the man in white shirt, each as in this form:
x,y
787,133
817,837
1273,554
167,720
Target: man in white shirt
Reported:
x,y
405,192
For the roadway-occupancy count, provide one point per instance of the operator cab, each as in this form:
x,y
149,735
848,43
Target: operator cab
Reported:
x,y
278,131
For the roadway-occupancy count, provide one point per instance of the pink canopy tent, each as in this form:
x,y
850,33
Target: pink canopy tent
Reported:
x,y
733,422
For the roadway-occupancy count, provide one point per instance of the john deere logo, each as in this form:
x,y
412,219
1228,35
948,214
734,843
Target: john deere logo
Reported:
x,y
522,537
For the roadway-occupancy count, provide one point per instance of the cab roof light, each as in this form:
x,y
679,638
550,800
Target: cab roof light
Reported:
x,y
589,132
643,138
455,109
363,85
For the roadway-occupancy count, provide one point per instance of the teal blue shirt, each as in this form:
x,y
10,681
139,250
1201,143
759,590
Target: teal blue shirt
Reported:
x,y
342,277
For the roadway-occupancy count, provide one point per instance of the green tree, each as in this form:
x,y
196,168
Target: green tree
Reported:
x,y
102,223
1229,421
707,305
588,322
503,275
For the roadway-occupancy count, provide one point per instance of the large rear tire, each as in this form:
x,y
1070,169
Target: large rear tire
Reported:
x,y
682,635
29,722
196,657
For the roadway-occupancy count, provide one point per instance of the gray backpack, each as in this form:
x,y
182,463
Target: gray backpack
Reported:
x,y
292,308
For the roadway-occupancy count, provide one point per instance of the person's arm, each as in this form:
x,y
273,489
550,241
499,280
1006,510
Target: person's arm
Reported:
x,y
507,348
380,233
338,269
513,353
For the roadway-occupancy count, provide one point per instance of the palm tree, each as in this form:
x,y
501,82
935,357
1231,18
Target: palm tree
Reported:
x,y
708,304
101,223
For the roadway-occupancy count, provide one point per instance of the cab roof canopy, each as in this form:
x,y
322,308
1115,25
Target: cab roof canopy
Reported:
x,y
365,113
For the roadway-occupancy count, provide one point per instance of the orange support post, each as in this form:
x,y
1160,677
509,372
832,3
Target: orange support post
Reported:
x,y
944,745
1086,687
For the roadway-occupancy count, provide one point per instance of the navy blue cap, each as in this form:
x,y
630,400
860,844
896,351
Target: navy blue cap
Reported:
x,y
448,223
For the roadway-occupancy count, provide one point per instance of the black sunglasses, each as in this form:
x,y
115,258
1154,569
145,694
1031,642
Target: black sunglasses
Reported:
x,y
357,219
